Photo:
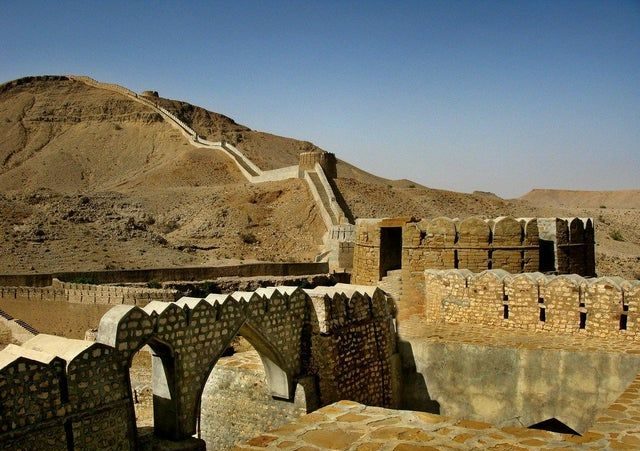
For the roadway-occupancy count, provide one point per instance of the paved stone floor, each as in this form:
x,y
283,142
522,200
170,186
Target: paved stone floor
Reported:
x,y
348,425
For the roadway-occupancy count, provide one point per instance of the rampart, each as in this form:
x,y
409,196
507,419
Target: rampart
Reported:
x,y
513,244
169,274
566,304
58,393
89,294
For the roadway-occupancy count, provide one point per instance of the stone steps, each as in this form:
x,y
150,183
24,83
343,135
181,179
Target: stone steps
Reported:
x,y
392,284
324,196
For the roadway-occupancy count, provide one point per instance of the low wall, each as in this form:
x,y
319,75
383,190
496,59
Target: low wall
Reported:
x,y
168,274
88,294
602,307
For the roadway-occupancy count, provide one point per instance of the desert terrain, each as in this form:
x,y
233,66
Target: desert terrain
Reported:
x,y
92,180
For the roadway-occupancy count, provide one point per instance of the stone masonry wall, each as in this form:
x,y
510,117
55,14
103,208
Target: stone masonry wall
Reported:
x,y
354,351
366,254
566,304
512,244
89,294
59,393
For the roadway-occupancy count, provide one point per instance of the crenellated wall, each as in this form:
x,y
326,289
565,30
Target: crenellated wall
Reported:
x,y
566,304
354,345
58,393
89,294
513,244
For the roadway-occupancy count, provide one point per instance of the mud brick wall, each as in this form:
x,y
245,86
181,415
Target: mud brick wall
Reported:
x,y
567,304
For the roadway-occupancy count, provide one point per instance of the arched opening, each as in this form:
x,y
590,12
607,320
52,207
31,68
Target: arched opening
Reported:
x,y
152,379
247,392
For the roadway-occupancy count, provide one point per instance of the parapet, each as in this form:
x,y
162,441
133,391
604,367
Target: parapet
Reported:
x,y
564,304
553,245
326,160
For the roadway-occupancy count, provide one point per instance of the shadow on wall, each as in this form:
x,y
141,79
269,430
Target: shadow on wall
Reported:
x,y
415,393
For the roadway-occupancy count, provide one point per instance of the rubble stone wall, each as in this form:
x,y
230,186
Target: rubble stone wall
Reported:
x,y
565,304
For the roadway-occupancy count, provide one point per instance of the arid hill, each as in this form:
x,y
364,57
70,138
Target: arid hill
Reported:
x,y
91,179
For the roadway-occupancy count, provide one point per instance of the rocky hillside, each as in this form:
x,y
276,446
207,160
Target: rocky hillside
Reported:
x,y
91,179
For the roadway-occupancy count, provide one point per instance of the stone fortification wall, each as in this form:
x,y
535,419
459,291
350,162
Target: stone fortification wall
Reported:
x,y
354,350
58,393
567,304
89,294
326,160
14,330
512,244
515,245
169,274
110,294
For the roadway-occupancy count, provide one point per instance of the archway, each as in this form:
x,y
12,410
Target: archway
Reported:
x,y
152,379
247,391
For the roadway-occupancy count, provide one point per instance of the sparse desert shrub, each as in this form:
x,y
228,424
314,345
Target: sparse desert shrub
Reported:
x,y
248,238
117,126
603,206
412,186
616,235
154,284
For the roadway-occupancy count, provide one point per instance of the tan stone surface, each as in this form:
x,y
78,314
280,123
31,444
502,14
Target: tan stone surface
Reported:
x,y
421,431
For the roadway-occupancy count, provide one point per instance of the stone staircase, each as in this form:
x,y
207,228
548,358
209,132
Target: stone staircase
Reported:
x,y
324,197
392,284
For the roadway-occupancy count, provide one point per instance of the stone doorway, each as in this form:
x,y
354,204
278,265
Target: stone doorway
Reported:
x,y
390,249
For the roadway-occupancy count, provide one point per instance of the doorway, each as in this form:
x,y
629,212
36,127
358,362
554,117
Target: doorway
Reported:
x,y
390,249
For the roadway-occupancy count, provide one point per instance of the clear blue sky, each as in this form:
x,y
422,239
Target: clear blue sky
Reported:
x,y
501,96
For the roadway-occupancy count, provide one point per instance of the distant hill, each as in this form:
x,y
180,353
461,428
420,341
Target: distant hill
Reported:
x,y
584,199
